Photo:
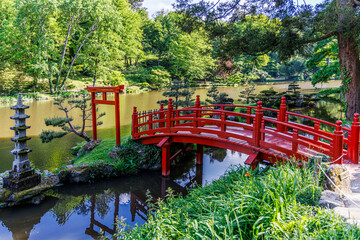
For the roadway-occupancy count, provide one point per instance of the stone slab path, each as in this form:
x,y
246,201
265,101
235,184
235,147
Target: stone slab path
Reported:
x,y
351,211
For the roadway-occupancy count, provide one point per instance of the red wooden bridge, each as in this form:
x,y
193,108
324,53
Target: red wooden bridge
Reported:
x,y
262,133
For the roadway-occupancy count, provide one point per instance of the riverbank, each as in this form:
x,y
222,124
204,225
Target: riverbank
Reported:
x,y
280,204
97,160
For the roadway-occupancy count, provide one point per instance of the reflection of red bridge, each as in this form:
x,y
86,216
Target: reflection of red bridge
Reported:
x,y
256,132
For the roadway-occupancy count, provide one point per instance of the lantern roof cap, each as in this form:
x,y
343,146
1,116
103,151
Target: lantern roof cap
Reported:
x,y
19,116
19,104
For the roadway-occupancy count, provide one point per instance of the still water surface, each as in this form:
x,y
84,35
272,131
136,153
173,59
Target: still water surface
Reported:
x,y
79,211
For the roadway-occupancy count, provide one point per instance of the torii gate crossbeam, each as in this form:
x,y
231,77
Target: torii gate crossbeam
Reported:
x,y
104,90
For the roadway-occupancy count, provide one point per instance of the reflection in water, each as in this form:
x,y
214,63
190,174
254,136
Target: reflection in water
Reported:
x,y
79,211
30,216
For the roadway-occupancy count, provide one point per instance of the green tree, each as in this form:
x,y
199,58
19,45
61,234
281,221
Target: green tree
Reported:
x,y
300,26
247,93
191,56
180,93
218,98
69,105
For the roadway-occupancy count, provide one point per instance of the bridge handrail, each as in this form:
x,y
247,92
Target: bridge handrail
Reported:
x,y
199,116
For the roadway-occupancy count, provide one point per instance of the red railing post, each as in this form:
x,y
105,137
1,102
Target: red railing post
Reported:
x,y
197,102
355,128
196,112
317,128
169,115
338,146
135,123
257,124
282,114
150,120
248,119
295,137
223,122
161,115
93,113
117,119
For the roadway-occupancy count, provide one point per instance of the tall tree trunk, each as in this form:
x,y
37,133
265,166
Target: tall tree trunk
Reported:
x,y
93,28
64,51
350,71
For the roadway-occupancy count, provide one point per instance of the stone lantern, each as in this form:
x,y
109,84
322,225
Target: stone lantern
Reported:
x,y
22,176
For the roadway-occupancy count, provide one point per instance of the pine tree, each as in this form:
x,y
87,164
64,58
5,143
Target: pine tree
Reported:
x,y
248,93
180,93
67,104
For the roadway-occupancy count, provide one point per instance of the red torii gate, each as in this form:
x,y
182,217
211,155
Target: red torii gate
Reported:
x,y
104,90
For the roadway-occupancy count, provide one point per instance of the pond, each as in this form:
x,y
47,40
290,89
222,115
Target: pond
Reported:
x,y
79,211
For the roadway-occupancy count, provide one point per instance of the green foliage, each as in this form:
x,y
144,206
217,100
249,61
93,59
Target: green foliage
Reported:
x,y
67,103
239,206
247,94
253,35
98,154
181,94
217,97
48,136
132,156
159,77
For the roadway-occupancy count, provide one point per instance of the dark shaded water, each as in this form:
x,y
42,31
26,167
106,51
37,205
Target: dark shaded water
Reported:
x,y
79,211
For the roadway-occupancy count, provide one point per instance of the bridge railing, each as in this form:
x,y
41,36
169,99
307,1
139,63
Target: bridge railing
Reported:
x,y
258,122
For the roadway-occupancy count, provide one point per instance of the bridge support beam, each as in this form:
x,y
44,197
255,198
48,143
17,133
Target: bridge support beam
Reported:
x,y
165,164
199,153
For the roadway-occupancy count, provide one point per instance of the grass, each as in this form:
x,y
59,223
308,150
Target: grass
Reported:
x,y
98,155
280,204
25,97
131,156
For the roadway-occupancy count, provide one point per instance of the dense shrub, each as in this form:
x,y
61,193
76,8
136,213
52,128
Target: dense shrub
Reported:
x,y
243,206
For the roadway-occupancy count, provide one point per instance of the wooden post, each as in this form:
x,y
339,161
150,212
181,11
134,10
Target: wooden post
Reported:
x,y
169,115
161,115
197,102
199,153
338,143
257,124
196,113
248,119
317,163
150,120
166,160
93,111
355,128
135,123
317,128
295,137
223,122
282,114
117,119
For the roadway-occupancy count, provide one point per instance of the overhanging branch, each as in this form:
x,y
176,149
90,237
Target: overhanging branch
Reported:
x,y
326,36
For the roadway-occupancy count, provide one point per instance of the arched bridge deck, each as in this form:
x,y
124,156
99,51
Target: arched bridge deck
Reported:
x,y
263,133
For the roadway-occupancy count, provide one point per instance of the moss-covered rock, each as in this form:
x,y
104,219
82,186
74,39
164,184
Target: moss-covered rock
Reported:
x,y
86,173
340,176
88,147
32,195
